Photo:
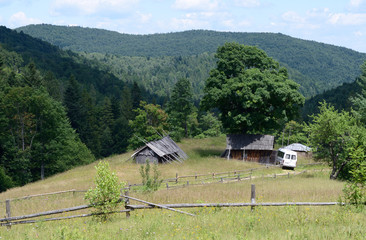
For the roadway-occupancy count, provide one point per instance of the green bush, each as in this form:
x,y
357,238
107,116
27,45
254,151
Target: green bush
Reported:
x,y
150,183
106,194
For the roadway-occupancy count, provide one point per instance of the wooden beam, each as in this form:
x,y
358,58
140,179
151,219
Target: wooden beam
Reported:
x,y
157,205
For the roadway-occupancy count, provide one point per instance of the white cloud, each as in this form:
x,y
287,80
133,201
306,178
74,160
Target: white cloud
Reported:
x,y
356,3
92,6
359,34
206,5
187,23
347,18
21,19
293,17
143,18
247,3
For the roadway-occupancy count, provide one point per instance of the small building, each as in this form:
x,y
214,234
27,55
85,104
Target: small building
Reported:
x,y
164,150
250,147
301,149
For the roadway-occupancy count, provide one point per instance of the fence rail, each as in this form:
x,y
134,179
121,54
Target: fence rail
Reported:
x,y
9,221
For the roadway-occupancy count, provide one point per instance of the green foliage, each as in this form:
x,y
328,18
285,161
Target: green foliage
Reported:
x,y
150,183
5,181
106,194
150,121
252,92
209,126
180,107
36,138
334,135
293,132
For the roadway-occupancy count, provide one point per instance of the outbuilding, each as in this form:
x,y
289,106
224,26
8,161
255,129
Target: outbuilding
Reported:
x,y
301,149
250,147
164,150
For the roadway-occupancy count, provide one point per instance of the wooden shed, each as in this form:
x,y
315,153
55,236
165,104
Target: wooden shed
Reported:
x,y
250,147
164,150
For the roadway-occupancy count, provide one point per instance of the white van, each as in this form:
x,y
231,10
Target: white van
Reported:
x,y
286,158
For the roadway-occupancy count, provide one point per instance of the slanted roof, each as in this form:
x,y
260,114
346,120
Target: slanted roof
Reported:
x,y
298,147
249,142
165,148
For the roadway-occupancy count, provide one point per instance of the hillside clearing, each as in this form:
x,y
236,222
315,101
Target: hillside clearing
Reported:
x,y
332,222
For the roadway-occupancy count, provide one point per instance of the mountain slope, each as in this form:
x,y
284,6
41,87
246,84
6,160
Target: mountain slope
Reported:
x,y
315,66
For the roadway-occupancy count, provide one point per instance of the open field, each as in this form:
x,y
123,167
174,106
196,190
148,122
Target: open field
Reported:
x,y
291,222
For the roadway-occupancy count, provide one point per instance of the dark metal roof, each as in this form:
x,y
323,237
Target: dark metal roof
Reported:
x,y
249,142
163,147
298,147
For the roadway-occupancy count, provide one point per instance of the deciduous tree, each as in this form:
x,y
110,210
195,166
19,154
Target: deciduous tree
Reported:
x,y
253,93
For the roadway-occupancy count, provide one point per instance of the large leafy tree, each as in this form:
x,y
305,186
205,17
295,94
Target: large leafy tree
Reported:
x,y
253,93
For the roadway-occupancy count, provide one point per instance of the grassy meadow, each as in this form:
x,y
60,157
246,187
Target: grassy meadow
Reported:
x,y
290,222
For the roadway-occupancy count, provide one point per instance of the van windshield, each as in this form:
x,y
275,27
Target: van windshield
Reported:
x,y
280,154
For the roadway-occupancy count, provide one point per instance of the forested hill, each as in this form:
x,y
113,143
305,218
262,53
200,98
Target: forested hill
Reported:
x,y
339,97
315,66
62,64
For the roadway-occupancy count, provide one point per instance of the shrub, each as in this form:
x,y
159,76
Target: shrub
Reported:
x,y
106,194
150,183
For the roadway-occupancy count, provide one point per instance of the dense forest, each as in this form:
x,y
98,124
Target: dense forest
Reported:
x,y
59,110
315,66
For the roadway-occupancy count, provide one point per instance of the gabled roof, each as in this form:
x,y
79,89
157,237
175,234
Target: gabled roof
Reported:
x,y
249,142
164,147
298,147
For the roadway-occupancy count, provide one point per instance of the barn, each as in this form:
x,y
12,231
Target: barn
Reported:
x,y
250,147
164,150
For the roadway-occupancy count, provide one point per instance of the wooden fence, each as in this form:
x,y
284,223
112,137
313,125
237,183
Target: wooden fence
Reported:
x,y
9,220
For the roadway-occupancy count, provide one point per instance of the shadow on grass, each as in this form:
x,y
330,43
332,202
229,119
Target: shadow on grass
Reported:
x,y
208,152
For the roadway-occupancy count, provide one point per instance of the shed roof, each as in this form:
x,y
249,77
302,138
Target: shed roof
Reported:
x,y
298,147
249,142
163,147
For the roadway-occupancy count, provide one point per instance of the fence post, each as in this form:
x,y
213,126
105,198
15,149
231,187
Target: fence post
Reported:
x,y
8,211
288,175
187,183
167,185
176,178
127,202
252,197
274,176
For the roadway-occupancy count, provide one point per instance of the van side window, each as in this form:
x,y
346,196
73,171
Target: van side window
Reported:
x,y
293,157
287,156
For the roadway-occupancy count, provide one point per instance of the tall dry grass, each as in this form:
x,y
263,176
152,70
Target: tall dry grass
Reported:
x,y
210,223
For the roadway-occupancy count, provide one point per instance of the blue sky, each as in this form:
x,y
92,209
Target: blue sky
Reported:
x,y
338,22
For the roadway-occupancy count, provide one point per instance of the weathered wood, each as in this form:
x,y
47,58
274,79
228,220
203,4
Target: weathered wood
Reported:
x,y
252,197
127,202
159,205
43,194
195,205
8,210
46,213
61,218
